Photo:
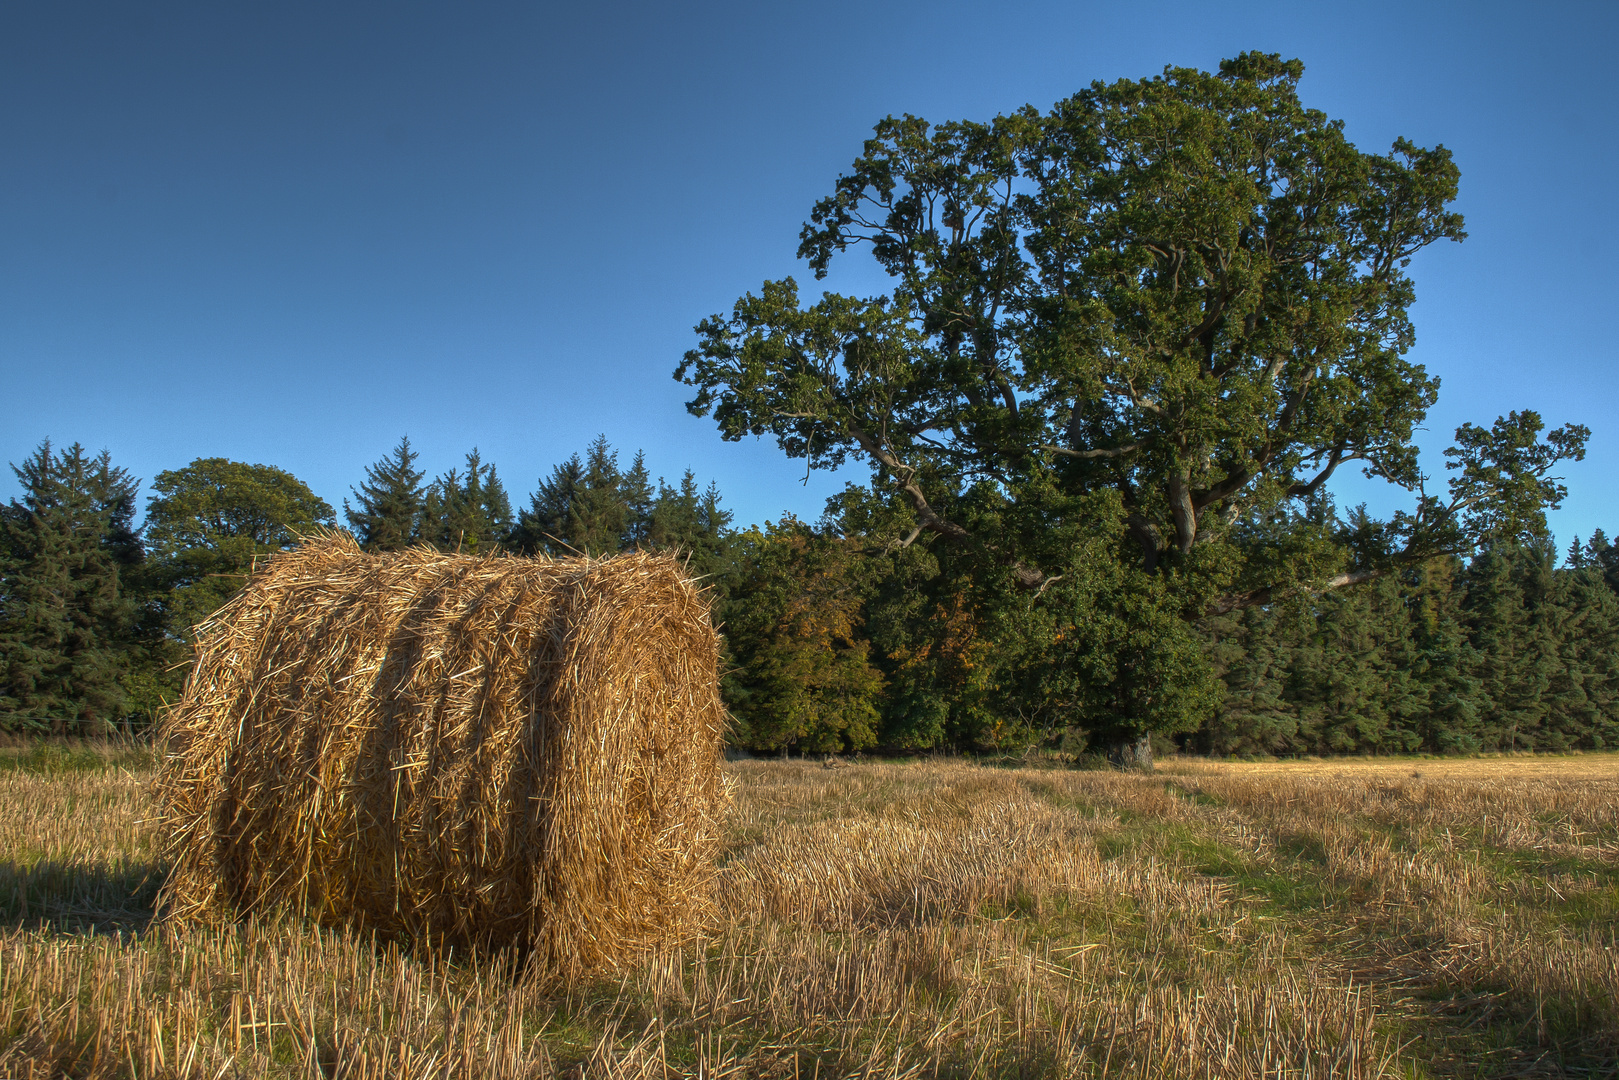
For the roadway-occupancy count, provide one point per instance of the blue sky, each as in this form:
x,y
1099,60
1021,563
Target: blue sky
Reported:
x,y
289,233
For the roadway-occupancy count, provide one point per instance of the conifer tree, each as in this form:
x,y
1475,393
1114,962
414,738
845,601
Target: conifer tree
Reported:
x,y
1351,676
635,486
389,514
589,506
468,512
66,617
1604,556
1454,719
1505,587
544,527
691,523
1443,662
1252,657
599,518
1405,696
1581,626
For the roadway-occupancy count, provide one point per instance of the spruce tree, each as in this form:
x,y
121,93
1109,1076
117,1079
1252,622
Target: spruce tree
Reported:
x,y
389,514
544,527
1454,719
1505,585
1444,664
635,487
1605,557
1353,717
1581,624
692,524
1307,675
1405,696
599,518
468,512
1252,656
588,507
66,619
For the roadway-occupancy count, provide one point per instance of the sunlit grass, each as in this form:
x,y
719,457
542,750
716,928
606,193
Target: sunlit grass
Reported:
x,y
1321,919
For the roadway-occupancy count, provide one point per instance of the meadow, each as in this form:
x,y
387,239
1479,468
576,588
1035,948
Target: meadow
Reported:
x,y
1342,918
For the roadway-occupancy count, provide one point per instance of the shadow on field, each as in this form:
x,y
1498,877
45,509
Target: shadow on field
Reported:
x,y
79,897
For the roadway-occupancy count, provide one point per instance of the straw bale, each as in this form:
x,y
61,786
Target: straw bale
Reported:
x,y
485,750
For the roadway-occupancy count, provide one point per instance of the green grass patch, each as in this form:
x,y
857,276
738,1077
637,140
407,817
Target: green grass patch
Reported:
x,y
44,757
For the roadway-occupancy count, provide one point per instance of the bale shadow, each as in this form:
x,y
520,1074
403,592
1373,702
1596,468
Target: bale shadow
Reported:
x,y
77,897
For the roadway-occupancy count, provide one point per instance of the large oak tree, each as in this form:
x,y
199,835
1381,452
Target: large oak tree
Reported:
x,y
1157,317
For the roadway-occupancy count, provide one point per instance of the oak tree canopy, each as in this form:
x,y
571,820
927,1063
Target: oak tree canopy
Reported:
x,y
1165,311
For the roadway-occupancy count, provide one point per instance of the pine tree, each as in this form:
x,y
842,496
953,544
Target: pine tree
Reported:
x,y
599,517
635,487
1581,620
1353,716
389,515
544,527
468,512
1307,674
1252,658
1405,696
66,621
1505,586
1454,719
691,523
589,506
1444,664
1605,557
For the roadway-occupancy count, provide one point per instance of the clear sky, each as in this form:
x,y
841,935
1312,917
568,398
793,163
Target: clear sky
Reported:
x,y
289,233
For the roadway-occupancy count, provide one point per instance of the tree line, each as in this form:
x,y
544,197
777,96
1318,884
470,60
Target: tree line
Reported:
x,y
97,613
836,639
1126,342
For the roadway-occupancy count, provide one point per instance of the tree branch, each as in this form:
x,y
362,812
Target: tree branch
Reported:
x,y
1335,459
1269,594
1090,455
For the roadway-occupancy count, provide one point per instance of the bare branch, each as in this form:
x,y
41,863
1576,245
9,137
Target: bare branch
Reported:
x,y
1338,581
1335,459
1115,452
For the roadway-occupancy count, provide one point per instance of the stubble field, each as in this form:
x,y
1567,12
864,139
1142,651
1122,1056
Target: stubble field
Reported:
x,y
1311,919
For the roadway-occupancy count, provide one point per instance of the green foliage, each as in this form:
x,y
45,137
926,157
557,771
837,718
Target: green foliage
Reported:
x,y
587,507
207,523
1505,653
67,620
842,635
590,506
391,502
1142,328
1189,289
1597,555
1502,491
1581,625
468,512
803,677
692,524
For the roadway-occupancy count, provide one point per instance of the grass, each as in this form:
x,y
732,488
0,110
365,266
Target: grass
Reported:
x,y
1316,919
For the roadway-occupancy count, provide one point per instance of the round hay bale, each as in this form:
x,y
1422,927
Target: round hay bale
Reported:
x,y
484,750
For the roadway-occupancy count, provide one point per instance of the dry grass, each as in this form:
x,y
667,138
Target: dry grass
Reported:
x,y
894,920
496,752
